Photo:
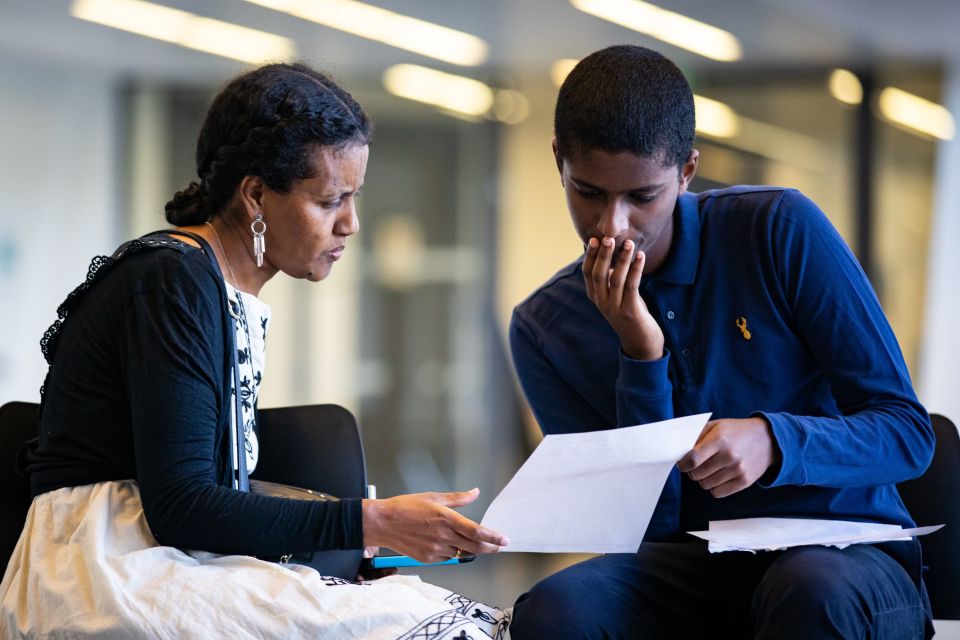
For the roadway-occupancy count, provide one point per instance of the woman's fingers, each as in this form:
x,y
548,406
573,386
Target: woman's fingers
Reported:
x,y
466,535
470,536
479,539
486,540
467,546
453,498
474,537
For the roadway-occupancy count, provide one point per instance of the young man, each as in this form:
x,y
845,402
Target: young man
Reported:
x,y
743,302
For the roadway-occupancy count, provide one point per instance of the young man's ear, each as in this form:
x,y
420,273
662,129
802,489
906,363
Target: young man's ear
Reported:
x,y
556,156
688,170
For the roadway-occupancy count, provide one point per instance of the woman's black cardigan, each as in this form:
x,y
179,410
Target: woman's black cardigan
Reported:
x,y
139,388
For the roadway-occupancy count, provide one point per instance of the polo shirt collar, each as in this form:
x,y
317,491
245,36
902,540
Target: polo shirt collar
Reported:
x,y
681,264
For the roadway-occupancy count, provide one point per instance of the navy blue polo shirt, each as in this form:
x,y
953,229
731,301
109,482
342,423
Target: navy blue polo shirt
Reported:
x,y
764,311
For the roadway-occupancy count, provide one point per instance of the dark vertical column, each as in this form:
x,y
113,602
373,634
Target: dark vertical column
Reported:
x,y
865,151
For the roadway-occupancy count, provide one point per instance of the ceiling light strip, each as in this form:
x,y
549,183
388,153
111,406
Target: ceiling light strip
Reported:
x,y
916,113
388,27
186,29
448,91
715,118
670,27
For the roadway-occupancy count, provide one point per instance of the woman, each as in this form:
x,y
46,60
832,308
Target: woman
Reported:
x,y
133,462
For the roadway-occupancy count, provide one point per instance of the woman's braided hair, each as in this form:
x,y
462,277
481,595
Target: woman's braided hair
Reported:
x,y
266,123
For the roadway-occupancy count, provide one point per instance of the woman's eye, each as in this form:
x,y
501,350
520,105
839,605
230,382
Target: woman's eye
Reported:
x,y
338,202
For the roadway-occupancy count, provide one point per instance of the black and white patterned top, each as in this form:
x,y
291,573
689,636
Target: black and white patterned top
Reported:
x,y
251,356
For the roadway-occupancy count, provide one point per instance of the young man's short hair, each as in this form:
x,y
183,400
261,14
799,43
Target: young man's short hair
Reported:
x,y
626,98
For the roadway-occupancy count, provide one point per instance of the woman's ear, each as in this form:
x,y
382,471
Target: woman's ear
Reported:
x,y
250,192
688,170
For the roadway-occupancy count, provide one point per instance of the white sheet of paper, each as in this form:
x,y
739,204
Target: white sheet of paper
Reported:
x,y
591,492
769,534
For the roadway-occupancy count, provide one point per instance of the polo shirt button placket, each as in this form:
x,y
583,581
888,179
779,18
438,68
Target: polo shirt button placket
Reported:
x,y
671,315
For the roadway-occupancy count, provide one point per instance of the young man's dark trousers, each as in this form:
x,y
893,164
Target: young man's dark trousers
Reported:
x,y
680,590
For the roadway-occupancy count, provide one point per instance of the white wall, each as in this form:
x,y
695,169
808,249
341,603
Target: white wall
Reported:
x,y
58,183
939,378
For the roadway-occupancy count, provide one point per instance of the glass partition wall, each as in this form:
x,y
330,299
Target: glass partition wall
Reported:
x,y
872,176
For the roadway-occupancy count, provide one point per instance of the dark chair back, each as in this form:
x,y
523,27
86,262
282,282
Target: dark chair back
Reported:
x,y
315,447
934,498
18,423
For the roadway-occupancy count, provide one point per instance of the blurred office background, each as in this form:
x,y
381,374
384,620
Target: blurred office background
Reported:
x,y
462,214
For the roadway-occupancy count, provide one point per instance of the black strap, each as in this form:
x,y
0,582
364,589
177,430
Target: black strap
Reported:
x,y
200,240
238,445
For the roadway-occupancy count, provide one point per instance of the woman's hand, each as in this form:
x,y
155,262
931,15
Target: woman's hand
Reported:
x,y
615,290
425,527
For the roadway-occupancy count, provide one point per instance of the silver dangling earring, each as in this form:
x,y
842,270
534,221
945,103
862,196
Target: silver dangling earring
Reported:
x,y
259,243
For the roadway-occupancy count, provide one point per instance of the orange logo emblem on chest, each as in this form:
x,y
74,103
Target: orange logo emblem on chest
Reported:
x,y
742,325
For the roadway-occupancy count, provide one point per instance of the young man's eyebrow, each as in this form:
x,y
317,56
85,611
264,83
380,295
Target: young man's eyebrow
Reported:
x,y
584,184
